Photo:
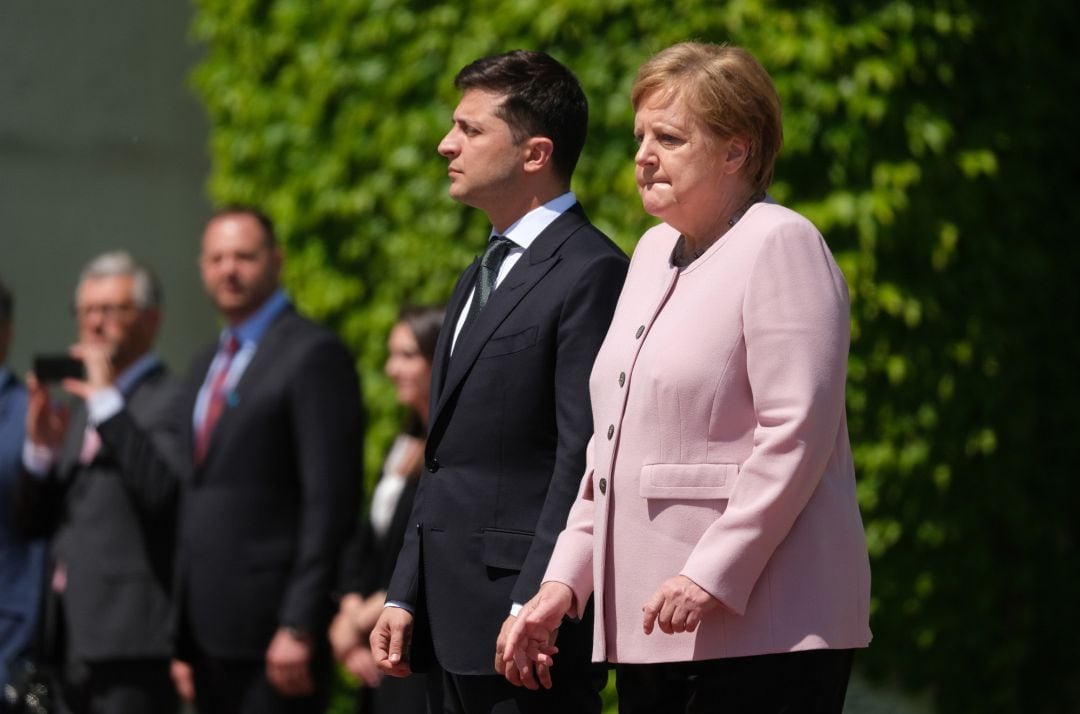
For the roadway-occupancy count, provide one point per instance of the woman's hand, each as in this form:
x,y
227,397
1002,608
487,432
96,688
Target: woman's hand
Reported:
x,y
677,606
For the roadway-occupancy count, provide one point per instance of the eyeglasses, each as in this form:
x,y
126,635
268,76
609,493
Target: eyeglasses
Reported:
x,y
107,311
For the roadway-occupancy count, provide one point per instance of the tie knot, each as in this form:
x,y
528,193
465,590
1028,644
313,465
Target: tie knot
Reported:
x,y
232,344
496,251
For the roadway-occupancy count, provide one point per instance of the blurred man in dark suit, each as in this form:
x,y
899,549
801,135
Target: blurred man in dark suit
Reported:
x,y
275,430
112,522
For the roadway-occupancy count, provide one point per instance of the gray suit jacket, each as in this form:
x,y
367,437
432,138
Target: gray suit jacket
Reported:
x,y
114,531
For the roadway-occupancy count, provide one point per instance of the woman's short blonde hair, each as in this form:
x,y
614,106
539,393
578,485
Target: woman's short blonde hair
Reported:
x,y
725,88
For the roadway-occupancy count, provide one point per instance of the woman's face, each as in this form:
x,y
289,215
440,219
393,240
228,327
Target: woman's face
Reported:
x,y
408,369
681,167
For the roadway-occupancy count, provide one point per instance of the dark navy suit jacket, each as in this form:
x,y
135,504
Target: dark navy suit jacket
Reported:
x,y
509,423
20,559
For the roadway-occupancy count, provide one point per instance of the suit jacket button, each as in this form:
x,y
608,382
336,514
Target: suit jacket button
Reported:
x,y
433,464
603,486
610,432
640,332
622,378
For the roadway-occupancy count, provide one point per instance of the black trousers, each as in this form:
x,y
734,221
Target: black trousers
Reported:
x,y
810,682
119,687
227,686
572,693
396,696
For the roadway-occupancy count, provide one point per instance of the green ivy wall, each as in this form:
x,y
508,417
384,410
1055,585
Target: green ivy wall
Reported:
x,y
928,142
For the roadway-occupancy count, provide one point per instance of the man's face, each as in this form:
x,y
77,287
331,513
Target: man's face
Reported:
x,y
484,160
240,269
108,317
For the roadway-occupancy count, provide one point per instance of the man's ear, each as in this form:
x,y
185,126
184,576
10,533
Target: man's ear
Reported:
x,y
538,150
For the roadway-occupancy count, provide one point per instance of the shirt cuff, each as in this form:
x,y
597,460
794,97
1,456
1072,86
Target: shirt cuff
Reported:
x,y
103,405
38,460
397,603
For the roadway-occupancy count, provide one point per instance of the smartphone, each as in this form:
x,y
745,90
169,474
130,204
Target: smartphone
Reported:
x,y
54,368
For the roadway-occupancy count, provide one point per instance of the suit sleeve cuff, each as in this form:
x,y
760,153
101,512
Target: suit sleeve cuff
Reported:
x,y
397,603
104,405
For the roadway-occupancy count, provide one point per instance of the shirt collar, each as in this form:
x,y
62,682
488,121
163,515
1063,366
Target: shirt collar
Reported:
x,y
525,230
253,328
126,380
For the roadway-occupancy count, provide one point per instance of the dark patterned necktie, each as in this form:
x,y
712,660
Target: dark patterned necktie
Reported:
x,y
497,250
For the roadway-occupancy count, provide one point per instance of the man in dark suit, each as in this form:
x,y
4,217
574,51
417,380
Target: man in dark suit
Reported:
x,y
21,559
275,428
112,525
510,414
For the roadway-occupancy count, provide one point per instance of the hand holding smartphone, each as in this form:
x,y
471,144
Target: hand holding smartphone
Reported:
x,y
51,368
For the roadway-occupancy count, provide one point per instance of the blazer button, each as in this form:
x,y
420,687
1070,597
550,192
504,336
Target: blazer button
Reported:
x,y
610,432
433,464
640,332
622,378
603,486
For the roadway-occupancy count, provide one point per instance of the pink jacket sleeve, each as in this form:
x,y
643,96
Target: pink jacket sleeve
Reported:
x,y
796,331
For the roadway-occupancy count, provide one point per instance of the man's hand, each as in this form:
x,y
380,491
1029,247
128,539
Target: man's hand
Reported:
x,y
287,664
183,680
530,641
46,422
99,371
361,664
391,639
677,606
343,634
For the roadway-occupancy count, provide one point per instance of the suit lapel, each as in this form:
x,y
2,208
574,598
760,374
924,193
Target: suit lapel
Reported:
x,y
68,459
446,336
529,271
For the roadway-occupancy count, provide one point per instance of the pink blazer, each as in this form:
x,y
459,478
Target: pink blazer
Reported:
x,y
720,451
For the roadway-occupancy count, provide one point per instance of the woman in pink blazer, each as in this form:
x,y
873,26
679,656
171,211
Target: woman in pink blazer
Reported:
x,y
717,523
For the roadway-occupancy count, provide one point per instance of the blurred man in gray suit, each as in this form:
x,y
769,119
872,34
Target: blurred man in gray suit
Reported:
x,y
112,521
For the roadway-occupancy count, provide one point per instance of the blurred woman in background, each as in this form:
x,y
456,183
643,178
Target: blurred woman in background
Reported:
x,y
368,561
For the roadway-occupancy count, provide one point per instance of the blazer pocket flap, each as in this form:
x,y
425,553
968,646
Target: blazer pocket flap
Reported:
x,y
688,481
504,345
505,549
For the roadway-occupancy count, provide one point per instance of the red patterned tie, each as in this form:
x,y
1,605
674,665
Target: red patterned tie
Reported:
x,y
216,403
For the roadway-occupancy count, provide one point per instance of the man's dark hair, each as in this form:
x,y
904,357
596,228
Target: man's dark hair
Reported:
x,y
7,303
543,98
240,209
